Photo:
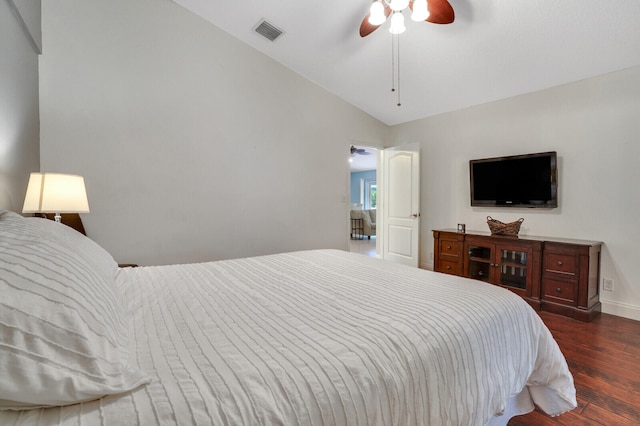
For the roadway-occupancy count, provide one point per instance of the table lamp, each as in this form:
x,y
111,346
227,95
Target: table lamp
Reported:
x,y
55,193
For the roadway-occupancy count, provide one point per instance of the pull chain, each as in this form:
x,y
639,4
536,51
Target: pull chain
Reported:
x,y
398,49
395,64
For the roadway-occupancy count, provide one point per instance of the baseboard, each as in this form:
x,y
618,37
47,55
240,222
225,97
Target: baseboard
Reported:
x,y
621,309
428,266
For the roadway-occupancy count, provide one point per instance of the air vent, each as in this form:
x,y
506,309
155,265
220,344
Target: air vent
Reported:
x,y
267,30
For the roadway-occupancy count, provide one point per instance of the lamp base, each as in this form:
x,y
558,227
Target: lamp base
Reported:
x,y
72,220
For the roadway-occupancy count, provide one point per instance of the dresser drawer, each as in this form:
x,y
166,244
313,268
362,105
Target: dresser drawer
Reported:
x,y
563,264
449,247
560,291
448,267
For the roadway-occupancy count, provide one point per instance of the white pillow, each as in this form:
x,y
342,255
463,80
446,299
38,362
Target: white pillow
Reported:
x,y
63,324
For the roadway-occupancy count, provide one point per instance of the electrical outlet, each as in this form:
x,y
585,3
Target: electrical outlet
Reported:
x,y
607,284
431,255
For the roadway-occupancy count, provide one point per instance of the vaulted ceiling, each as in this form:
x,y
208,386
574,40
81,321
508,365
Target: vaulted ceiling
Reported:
x,y
495,49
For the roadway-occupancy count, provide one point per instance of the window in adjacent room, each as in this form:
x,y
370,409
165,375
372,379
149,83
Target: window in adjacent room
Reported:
x,y
369,192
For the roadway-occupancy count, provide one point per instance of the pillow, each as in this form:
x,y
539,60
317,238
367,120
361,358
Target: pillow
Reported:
x,y
63,325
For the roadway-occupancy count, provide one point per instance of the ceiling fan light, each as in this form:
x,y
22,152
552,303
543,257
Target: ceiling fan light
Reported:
x,y
420,11
397,23
397,5
376,13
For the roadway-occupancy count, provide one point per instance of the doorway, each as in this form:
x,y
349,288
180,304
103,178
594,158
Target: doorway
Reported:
x,y
363,208
392,200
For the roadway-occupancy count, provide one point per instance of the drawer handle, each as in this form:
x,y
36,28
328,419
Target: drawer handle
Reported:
x,y
560,272
448,247
559,290
448,267
559,263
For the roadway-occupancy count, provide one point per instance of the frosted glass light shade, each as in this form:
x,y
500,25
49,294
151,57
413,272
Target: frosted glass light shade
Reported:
x,y
397,23
420,11
397,5
55,193
376,13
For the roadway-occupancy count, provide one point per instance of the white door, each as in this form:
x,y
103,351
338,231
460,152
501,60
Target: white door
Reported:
x,y
401,208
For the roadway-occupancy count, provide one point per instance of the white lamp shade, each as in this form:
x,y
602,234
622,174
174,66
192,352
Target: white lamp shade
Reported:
x,y
397,23
55,193
397,5
420,10
376,13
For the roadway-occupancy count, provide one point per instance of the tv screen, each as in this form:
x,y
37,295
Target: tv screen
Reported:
x,y
516,181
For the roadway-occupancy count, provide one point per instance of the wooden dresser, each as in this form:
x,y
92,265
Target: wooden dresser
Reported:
x,y
553,274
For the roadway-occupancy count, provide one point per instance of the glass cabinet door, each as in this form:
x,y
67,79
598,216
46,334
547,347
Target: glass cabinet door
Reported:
x,y
479,262
513,267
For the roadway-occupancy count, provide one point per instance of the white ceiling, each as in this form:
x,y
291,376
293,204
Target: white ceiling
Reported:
x,y
495,48
363,162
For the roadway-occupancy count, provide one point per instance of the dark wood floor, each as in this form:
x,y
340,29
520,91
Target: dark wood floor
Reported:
x,y
604,358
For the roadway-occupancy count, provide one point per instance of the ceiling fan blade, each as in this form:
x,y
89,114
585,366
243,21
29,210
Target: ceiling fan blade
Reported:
x,y
440,12
366,28
360,151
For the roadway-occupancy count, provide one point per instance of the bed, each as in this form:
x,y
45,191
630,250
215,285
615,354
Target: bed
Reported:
x,y
320,337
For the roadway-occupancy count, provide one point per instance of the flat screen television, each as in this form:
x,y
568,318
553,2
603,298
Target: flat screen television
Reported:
x,y
528,180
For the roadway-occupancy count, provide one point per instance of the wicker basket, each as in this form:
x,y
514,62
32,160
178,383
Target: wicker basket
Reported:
x,y
500,228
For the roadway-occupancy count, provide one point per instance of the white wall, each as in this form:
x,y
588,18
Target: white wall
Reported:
x,y
28,13
594,125
19,119
193,145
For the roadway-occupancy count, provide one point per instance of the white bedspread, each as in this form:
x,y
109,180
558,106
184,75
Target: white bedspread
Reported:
x,y
324,338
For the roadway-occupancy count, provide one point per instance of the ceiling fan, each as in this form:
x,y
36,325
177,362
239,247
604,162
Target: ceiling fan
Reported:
x,y
360,151
437,12
434,11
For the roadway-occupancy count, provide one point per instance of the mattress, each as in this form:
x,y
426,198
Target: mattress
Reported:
x,y
324,337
